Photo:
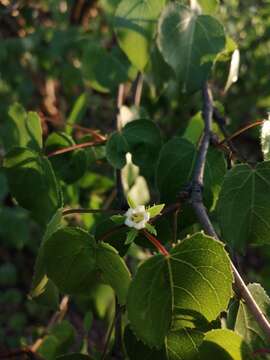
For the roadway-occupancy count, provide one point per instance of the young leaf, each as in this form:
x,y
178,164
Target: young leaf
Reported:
x,y
131,236
22,129
27,169
155,210
244,206
224,344
151,229
196,269
118,219
134,25
189,43
131,203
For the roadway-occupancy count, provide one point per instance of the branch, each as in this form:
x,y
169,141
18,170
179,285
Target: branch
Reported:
x,y
197,203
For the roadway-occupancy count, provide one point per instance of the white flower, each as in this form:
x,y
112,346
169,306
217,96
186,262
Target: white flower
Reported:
x,y
265,138
137,217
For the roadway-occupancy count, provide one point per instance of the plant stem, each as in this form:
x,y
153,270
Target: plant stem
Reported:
x,y
138,90
75,147
240,131
156,243
197,203
90,211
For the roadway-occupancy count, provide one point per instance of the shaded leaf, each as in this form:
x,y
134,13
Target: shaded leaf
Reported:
x,y
26,169
71,166
142,139
102,71
243,206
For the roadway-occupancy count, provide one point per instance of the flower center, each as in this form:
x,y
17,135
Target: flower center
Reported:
x,y
138,217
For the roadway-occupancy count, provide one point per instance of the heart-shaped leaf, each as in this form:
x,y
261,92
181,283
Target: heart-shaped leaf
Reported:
x,y
135,23
189,43
195,280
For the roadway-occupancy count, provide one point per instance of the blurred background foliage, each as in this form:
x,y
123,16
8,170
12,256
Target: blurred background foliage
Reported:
x,y
45,50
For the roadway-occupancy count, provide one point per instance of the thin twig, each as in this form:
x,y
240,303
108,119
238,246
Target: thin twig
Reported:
x,y
199,208
242,130
75,147
90,211
96,135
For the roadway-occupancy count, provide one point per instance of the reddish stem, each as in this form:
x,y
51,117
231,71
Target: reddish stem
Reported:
x,y
97,136
261,351
75,147
156,243
239,132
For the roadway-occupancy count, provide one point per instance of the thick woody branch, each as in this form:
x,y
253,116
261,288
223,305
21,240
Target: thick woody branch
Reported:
x,y
199,208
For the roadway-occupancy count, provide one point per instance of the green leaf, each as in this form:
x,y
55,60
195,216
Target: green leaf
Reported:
x,y
223,344
22,129
43,289
142,139
243,206
73,261
102,71
77,112
197,269
3,185
131,236
70,259
175,168
155,210
114,270
88,321
137,350
131,203
59,339
14,221
246,325
151,229
189,43
208,6
118,219
26,169
194,129
134,24
183,344
71,166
